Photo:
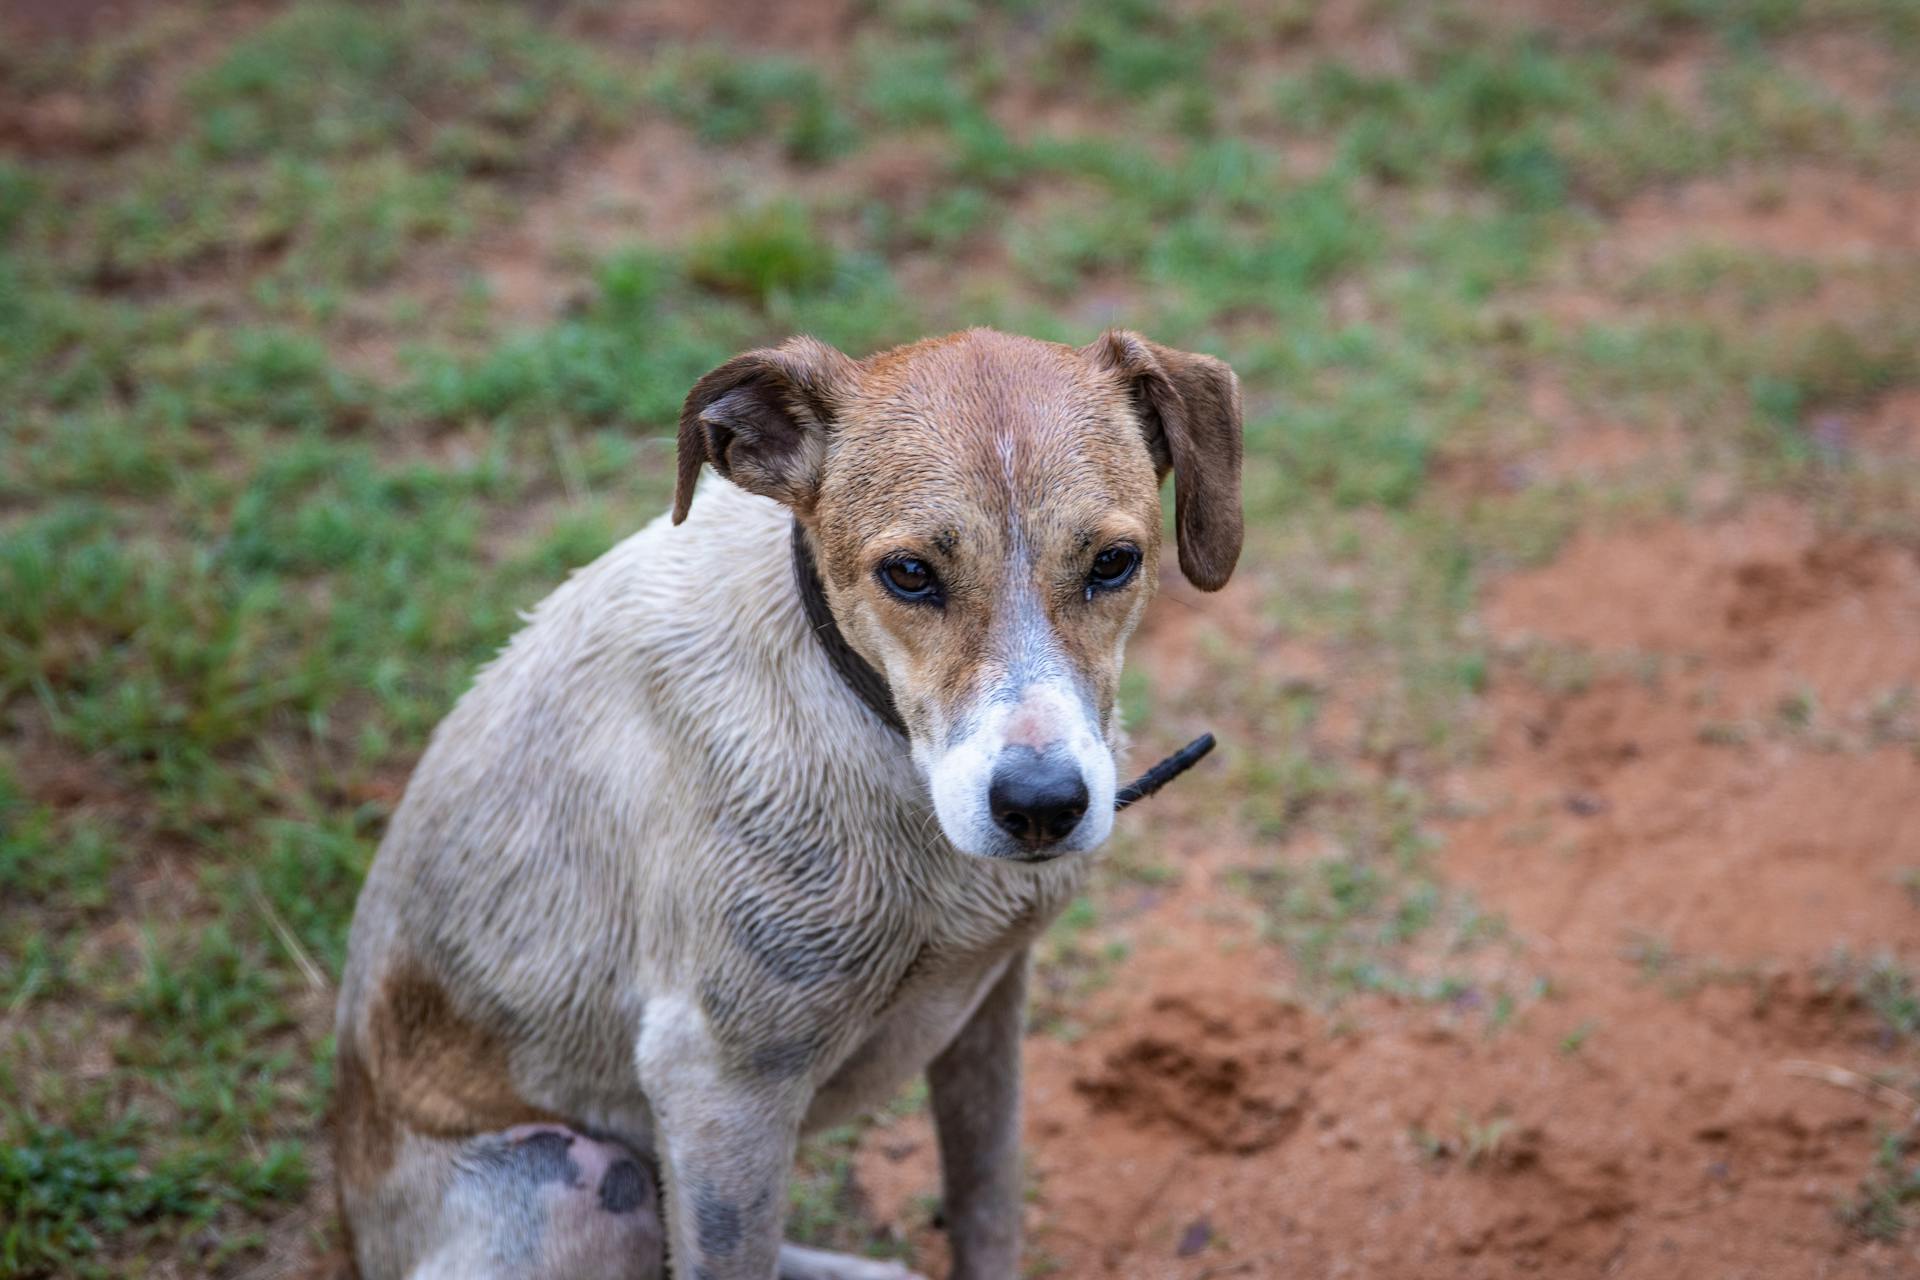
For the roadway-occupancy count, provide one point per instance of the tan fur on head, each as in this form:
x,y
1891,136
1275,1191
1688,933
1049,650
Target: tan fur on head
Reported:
x,y
1008,466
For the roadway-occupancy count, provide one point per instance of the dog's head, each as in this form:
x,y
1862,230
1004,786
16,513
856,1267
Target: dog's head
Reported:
x,y
985,513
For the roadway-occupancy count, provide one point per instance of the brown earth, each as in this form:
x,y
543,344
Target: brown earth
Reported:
x,y
1801,212
65,19
814,26
1888,427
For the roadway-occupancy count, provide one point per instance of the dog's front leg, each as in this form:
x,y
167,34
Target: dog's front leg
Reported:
x,y
725,1144
975,1084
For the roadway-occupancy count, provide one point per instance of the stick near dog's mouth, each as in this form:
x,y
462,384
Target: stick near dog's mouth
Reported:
x,y
1164,772
871,687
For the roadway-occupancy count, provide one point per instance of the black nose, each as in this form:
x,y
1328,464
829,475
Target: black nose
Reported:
x,y
1036,798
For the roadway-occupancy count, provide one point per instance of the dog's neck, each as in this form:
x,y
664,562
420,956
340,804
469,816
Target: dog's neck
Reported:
x,y
855,671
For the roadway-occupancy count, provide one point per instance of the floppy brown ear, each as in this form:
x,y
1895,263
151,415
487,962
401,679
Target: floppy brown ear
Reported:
x,y
762,420
1189,407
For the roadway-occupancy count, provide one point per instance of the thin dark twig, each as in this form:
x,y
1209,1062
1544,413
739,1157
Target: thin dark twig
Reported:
x,y
1164,772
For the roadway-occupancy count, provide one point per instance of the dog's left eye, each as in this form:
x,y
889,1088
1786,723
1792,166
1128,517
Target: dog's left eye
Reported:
x,y
1112,567
910,579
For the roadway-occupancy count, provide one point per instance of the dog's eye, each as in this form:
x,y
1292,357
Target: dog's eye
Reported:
x,y
1112,567
910,579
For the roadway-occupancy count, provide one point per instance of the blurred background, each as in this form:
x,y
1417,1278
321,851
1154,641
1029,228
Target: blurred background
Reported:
x,y
1553,904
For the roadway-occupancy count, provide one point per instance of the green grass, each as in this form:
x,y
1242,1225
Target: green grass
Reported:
x,y
1888,1197
1887,988
1476,1144
244,569
1373,915
824,1209
1075,960
326,145
731,99
45,859
1136,49
67,1195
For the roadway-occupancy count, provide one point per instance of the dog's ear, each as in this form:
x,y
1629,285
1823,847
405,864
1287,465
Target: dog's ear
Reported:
x,y
1189,408
762,420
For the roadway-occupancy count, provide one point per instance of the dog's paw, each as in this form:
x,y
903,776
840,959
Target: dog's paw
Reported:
x,y
800,1263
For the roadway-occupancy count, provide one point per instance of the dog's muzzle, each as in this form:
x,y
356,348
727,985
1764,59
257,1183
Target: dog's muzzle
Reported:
x,y
1036,801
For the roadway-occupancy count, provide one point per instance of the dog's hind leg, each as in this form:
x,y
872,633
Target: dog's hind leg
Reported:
x,y
536,1202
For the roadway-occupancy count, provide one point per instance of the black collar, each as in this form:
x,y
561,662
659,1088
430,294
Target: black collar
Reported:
x,y
871,687
855,671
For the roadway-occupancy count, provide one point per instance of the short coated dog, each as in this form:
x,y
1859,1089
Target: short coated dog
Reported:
x,y
667,893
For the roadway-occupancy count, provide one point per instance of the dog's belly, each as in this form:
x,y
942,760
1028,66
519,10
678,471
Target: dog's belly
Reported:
x,y
902,1042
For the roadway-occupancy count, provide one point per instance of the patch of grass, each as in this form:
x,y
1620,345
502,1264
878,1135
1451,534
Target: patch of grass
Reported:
x,y
908,85
731,99
69,1194
1281,792
630,354
1483,1142
42,858
1893,716
1836,363
1882,984
1075,959
1650,953
332,139
1888,1199
823,1207
1576,1040
1757,282
1134,48
482,90
1475,1143
309,874
1341,917
201,659
66,1192
1351,917
210,1000
1720,733
1487,116
1762,107
1891,992
1797,711
19,191
769,251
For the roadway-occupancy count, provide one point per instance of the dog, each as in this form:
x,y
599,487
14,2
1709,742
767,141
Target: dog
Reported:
x,y
670,888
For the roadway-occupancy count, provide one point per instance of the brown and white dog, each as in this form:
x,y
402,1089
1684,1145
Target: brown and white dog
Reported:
x,y
665,894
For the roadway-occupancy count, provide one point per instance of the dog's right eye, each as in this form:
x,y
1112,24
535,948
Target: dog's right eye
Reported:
x,y
910,579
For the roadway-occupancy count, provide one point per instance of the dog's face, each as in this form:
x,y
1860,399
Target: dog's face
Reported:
x,y
985,513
